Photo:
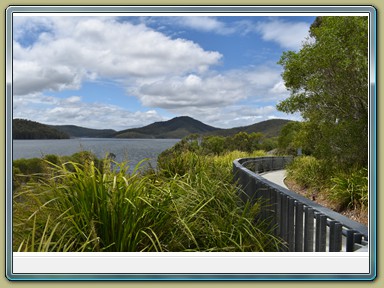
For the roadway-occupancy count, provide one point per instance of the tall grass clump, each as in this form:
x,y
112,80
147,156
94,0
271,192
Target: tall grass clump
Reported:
x,y
350,190
309,172
81,207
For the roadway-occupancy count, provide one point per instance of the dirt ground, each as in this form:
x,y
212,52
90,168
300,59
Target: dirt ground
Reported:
x,y
358,215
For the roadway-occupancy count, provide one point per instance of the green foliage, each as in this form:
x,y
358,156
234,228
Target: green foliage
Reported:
x,y
268,144
214,144
218,145
328,81
24,170
350,190
245,142
34,169
288,141
308,171
81,208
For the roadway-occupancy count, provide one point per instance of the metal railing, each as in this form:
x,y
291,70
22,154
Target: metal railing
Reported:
x,y
304,226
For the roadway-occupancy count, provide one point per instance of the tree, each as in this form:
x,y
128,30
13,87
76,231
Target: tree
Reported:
x,y
288,140
214,144
328,82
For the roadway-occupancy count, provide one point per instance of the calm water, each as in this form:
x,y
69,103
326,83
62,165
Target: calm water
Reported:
x,y
132,150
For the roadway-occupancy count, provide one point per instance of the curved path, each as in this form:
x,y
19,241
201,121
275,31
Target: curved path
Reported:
x,y
276,177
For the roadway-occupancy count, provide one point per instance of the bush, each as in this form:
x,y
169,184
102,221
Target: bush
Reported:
x,y
350,190
309,172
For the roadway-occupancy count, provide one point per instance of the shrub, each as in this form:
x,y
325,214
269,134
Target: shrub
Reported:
x,y
310,172
350,190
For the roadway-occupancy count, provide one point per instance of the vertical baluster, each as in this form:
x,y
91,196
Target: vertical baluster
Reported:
x,y
308,229
274,216
268,207
333,238
321,233
299,227
284,218
264,203
290,227
350,240
251,189
278,213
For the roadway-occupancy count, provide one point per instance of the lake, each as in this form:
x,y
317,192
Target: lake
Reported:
x,y
131,150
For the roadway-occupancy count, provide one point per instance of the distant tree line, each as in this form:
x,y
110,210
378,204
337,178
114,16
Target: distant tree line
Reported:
x,y
220,145
27,129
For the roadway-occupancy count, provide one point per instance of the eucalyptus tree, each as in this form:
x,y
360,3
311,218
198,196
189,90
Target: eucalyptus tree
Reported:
x,y
328,84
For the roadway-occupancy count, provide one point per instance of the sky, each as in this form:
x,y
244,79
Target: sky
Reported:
x,y
119,72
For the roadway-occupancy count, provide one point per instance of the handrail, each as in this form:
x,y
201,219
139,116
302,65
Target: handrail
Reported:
x,y
301,222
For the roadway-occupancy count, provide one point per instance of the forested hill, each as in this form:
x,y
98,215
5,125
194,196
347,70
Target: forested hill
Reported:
x,y
177,128
81,132
269,128
26,129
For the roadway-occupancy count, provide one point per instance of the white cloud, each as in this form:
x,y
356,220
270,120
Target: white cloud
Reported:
x,y
288,35
202,23
78,49
73,111
235,115
279,90
173,74
212,89
192,90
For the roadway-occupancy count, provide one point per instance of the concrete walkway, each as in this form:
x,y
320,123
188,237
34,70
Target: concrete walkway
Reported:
x,y
276,177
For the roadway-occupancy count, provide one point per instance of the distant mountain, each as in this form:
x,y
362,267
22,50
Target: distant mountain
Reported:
x,y
81,132
176,128
27,129
269,128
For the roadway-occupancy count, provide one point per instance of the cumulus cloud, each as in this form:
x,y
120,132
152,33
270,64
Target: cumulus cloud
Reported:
x,y
73,111
203,23
212,89
289,35
78,49
192,90
53,54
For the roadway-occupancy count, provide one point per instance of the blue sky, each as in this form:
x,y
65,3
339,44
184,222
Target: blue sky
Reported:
x,y
123,72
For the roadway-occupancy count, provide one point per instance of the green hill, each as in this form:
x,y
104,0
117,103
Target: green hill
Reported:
x,y
81,132
269,128
26,129
178,127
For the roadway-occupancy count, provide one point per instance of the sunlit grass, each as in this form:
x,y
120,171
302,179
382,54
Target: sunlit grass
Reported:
x,y
82,208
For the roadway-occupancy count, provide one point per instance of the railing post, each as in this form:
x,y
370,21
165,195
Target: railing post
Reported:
x,y
308,229
299,227
278,213
293,217
335,231
291,225
350,245
284,218
321,233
